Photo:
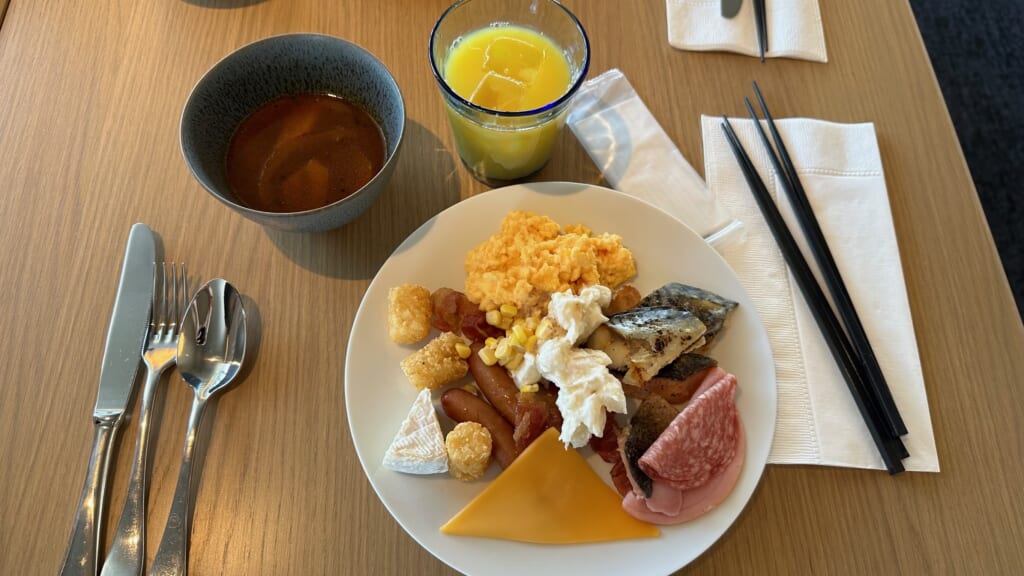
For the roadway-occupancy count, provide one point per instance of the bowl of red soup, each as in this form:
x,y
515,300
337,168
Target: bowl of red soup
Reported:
x,y
297,132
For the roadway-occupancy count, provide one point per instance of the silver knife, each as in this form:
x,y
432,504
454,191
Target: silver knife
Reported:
x,y
731,8
126,334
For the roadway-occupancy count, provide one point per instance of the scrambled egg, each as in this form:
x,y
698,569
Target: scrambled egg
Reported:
x,y
531,257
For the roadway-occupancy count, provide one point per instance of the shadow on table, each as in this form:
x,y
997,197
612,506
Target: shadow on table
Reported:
x,y
223,4
424,183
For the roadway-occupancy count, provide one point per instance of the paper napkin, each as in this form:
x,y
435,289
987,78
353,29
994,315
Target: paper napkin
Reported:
x,y
841,170
794,28
636,156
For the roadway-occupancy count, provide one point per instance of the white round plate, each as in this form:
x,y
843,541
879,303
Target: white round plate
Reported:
x,y
378,396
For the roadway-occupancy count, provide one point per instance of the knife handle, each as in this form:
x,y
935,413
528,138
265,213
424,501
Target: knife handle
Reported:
x,y
83,549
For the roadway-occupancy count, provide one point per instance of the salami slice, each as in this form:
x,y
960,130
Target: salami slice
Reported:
x,y
699,442
695,503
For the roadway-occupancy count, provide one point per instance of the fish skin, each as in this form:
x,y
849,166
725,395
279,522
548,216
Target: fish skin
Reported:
x,y
713,310
686,365
653,323
652,417
656,336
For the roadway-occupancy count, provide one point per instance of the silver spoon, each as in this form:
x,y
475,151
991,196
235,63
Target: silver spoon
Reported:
x,y
211,348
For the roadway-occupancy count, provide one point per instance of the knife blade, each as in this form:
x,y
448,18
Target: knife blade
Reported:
x,y
731,8
129,324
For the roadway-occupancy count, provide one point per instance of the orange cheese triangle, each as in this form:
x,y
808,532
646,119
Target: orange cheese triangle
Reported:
x,y
548,495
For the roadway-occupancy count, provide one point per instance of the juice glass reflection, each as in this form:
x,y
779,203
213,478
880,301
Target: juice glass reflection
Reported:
x,y
507,102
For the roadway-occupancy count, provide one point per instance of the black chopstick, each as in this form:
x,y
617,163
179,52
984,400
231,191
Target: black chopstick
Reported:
x,y
762,27
889,446
823,256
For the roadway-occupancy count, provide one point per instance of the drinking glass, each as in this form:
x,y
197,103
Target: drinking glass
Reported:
x,y
498,146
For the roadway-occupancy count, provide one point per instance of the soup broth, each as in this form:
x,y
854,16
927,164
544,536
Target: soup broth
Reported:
x,y
303,152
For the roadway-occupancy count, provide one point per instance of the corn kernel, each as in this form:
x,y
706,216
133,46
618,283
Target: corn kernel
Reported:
x,y
493,317
531,344
544,329
521,334
531,323
491,342
471,389
463,350
528,388
487,355
509,310
502,351
514,362
505,324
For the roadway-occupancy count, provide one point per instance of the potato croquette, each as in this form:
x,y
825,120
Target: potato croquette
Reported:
x,y
469,451
436,364
409,312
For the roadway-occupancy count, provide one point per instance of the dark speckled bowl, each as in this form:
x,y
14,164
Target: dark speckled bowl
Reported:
x,y
280,66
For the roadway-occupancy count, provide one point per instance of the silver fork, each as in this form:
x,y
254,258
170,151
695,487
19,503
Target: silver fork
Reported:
x,y
170,299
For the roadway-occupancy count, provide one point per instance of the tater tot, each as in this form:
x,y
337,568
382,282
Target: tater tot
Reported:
x,y
409,312
469,451
436,364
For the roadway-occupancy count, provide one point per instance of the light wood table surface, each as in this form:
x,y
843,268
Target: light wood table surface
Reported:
x,y
90,97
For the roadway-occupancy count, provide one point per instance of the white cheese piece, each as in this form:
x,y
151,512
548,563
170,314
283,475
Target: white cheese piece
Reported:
x,y
579,313
586,390
526,372
418,448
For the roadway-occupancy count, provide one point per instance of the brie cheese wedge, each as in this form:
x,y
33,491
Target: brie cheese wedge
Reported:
x,y
418,448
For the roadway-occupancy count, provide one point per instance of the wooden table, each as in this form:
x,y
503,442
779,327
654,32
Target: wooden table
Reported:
x,y
90,96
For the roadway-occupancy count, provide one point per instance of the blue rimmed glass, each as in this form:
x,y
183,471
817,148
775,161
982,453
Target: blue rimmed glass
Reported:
x,y
500,147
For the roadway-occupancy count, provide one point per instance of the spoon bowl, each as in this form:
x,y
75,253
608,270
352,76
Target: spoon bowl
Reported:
x,y
211,350
211,345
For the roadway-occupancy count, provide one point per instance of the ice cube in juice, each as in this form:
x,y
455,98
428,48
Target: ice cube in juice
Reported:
x,y
507,69
514,57
500,92
526,62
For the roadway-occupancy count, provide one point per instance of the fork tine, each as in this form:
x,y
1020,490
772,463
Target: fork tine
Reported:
x,y
153,311
185,295
172,305
180,291
164,312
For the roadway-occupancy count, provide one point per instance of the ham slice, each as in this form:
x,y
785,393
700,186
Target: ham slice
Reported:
x,y
670,506
695,462
701,440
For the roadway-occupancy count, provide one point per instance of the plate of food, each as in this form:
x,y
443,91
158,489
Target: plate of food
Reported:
x,y
560,376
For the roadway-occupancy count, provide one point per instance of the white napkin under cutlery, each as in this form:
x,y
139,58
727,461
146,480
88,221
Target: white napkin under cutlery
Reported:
x,y
794,28
841,171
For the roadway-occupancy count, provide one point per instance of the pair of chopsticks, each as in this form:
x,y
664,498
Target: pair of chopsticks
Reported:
x,y
844,335
760,21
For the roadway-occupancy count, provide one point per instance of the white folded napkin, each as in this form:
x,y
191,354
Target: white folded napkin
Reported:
x,y
840,168
794,28
841,171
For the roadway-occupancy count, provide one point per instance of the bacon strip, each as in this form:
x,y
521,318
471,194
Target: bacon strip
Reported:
x,y
454,312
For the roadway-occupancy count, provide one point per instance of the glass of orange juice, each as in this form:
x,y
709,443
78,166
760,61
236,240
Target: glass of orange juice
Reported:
x,y
507,70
